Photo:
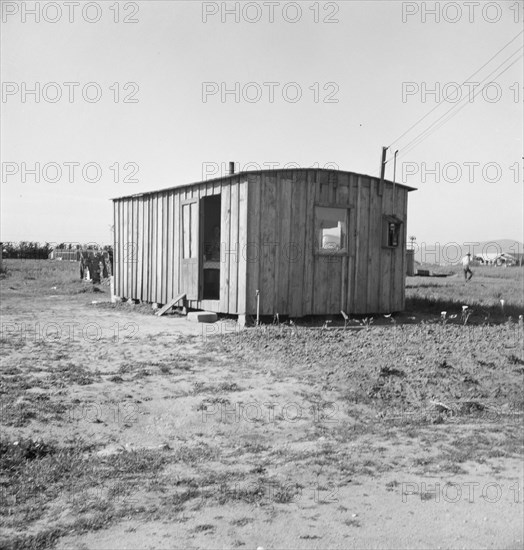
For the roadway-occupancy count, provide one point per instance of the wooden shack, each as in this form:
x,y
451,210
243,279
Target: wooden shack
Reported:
x,y
297,241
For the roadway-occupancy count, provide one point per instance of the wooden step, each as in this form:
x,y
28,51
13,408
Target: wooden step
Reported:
x,y
202,317
170,304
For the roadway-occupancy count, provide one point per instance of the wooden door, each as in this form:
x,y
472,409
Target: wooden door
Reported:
x,y
189,249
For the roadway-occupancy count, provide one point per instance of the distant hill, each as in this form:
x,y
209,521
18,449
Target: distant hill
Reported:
x,y
507,245
452,253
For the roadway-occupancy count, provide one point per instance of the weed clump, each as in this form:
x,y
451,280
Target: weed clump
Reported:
x,y
13,452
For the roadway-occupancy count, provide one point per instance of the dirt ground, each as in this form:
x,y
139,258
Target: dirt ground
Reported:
x,y
125,430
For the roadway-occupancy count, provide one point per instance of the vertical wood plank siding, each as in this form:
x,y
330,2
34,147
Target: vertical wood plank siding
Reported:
x,y
268,243
281,207
225,232
148,247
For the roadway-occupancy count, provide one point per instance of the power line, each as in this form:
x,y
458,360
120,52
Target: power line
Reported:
x,y
421,137
467,80
464,100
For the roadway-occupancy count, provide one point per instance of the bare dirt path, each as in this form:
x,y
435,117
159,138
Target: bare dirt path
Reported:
x,y
222,442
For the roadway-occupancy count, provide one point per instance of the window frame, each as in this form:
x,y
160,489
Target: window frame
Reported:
x,y
193,228
344,250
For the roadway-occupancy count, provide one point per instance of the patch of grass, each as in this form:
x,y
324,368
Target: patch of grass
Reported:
x,y
201,387
168,365
352,522
65,375
124,307
241,522
48,277
211,402
19,408
260,492
46,538
255,447
15,452
391,371
204,528
390,485
514,360
97,490
199,453
358,384
482,294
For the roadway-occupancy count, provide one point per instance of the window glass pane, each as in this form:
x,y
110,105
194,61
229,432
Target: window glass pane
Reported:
x,y
331,228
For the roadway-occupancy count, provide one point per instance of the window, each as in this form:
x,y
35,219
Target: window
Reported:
x,y
331,229
392,227
189,230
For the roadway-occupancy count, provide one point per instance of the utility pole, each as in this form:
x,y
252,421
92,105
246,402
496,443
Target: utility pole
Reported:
x,y
383,164
382,170
395,167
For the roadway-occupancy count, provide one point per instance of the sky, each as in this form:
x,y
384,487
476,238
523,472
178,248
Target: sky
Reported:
x,y
137,96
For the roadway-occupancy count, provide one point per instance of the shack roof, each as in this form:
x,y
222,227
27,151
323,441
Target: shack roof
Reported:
x,y
251,172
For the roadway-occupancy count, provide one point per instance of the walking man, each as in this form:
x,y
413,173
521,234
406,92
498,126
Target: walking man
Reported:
x,y
466,260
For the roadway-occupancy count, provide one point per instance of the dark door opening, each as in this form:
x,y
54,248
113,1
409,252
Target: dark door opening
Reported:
x,y
210,223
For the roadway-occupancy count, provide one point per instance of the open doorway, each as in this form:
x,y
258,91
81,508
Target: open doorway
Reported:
x,y
210,223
